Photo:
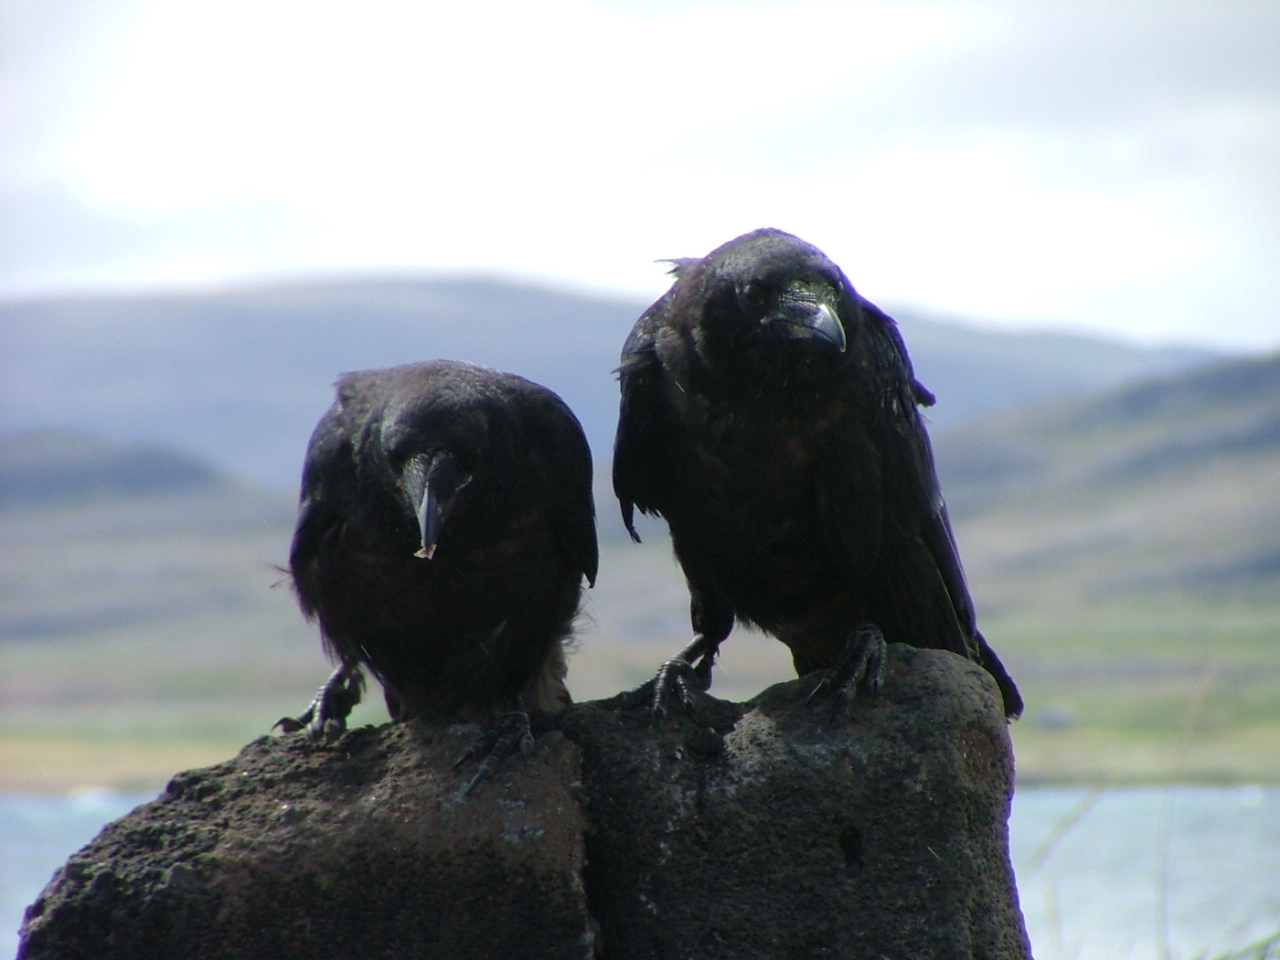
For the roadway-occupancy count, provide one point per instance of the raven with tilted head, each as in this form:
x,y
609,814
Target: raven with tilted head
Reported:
x,y
445,527
770,414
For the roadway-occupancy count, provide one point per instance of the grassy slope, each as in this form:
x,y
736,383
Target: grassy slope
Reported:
x,y
1125,553
129,705
1123,572
127,672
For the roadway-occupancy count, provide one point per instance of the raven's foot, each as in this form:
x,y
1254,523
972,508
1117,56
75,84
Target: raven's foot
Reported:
x,y
860,667
687,676
326,717
509,734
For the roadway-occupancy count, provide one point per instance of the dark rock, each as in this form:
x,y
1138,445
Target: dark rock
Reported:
x,y
789,833
882,833
357,850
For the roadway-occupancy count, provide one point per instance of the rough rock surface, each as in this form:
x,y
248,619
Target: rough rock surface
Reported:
x,y
355,850
775,830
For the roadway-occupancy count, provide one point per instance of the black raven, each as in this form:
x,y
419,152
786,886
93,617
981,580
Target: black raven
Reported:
x,y
769,414
445,526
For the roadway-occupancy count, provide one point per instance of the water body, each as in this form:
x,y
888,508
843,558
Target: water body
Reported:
x,y
1143,874
37,833
1175,873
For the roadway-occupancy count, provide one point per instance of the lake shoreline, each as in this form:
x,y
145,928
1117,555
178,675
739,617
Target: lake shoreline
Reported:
x,y
1096,869
59,763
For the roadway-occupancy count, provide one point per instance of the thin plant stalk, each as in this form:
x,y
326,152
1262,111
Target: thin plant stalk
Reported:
x,y
1194,709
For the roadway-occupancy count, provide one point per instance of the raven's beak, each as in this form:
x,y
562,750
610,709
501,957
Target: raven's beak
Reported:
x,y
428,522
431,482
802,316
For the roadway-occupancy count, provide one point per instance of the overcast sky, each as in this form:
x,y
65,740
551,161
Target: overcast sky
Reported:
x,y
1110,166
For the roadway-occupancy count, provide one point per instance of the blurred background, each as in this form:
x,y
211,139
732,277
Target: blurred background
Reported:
x,y
208,211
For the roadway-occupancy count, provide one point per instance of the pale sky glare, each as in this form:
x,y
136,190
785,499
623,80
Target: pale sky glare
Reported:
x,y
1113,167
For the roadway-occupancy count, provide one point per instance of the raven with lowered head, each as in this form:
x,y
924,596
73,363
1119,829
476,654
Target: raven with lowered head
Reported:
x,y
445,527
769,414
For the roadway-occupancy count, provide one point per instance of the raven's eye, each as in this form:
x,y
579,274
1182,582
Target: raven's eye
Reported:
x,y
754,295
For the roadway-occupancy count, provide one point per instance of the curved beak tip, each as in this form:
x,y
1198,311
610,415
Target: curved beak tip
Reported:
x,y
827,324
428,523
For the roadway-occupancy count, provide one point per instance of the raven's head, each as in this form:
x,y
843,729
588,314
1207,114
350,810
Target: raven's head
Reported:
x,y
431,483
433,454
764,296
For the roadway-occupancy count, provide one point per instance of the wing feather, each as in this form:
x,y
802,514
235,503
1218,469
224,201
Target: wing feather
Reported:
x,y
643,423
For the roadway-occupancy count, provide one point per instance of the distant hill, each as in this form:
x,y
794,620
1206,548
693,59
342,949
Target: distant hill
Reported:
x,y
57,466
976,371
1168,485
1165,486
1124,552
240,376
97,535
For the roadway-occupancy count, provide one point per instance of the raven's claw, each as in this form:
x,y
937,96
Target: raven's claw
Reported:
x,y
860,667
326,716
688,673
509,734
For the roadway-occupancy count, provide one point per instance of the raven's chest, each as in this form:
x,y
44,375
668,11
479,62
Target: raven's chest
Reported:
x,y
760,474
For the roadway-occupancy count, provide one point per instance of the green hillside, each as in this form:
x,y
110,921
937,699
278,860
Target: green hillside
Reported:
x,y
1166,487
1122,551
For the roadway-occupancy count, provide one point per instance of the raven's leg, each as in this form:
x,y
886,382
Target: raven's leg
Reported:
x,y
326,717
687,673
510,733
860,666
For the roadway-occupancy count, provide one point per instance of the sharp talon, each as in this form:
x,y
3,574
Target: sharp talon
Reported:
x,y
482,744
703,672
687,674
819,688
690,696
511,733
290,724
483,771
326,716
861,666
300,722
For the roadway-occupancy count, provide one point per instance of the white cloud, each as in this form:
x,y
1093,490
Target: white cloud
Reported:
x,y
407,100
1023,161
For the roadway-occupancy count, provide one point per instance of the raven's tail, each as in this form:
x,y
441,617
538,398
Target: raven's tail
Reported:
x,y
1008,689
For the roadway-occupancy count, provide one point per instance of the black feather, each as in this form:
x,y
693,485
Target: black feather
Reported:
x,y
792,465
466,625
